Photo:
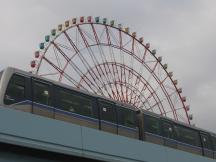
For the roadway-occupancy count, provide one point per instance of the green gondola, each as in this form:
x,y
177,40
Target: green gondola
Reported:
x,y
47,38
41,45
104,20
53,32
97,19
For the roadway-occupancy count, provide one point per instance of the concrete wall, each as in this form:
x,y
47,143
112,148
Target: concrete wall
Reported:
x,y
34,131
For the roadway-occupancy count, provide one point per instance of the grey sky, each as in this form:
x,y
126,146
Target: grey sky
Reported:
x,y
183,32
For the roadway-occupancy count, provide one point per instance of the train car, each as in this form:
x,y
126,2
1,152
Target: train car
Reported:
x,y
27,92
30,93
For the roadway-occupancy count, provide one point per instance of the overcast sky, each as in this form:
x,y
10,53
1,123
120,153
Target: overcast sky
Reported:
x,y
183,32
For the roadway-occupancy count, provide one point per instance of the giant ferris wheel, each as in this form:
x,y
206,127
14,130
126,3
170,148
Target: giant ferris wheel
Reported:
x,y
105,58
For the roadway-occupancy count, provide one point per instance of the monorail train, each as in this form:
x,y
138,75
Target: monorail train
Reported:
x,y
27,92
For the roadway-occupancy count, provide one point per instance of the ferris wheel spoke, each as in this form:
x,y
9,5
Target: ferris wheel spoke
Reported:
x,y
132,64
133,95
151,73
122,74
137,85
132,53
95,34
102,33
80,55
124,45
115,85
78,52
168,99
156,104
121,85
155,97
132,46
171,104
120,39
154,67
144,55
111,52
101,50
97,79
170,111
73,65
64,46
131,89
92,38
114,68
105,64
114,38
58,69
57,58
71,42
108,35
139,103
95,59
155,91
128,69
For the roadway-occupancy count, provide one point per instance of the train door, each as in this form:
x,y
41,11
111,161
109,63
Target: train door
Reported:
x,y
76,108
188,139
206,144
151,130
17,93
41,97
168,133
108,116
127,124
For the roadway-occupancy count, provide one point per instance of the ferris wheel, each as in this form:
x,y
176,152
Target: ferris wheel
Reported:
x,y
105,58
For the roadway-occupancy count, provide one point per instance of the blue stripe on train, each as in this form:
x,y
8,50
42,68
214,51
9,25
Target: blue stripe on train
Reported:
x,y
75,115
121,126
178,142
67,113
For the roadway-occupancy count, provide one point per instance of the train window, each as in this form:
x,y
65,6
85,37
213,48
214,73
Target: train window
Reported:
x,y
15,91
187,135
151,124
126,117
74,103
205,141
167,129
108,112
41,93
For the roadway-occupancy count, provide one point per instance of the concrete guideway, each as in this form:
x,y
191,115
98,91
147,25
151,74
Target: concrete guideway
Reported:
x,y
29,130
